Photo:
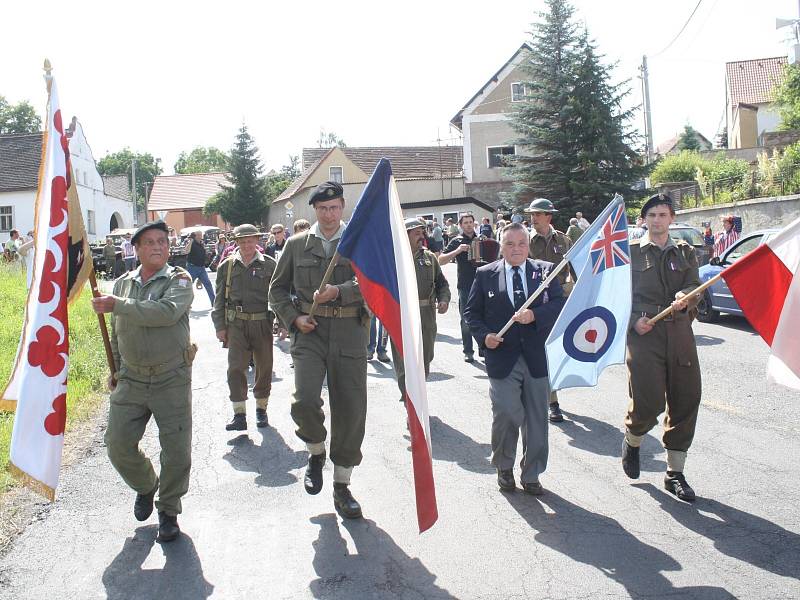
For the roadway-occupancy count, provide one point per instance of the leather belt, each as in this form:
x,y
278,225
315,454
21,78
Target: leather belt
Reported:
x,y
426,302
651,310
154,370
238,313
332,312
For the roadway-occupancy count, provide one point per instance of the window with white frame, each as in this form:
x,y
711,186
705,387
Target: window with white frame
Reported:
x,y
336,174
90,222
517,92
6,218
496,155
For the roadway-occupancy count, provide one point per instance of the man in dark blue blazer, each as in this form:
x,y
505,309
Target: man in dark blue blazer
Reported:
x,y
516,363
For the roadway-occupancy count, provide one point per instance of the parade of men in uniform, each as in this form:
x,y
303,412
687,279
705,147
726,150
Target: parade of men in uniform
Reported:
x,y
663,371
434,296
153,355
330,342
243,323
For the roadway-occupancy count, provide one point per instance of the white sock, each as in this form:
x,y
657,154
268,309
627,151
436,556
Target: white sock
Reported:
x,y
676,460
315,447
342,474
239,408
634,441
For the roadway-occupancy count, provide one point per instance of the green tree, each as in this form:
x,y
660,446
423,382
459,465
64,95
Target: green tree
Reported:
x,y
688,139
202,160
787,97
119,163
18,118
246,199
329,140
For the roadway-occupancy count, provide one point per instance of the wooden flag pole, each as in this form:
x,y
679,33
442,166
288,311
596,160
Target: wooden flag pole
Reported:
x,y
325,278
103,327
696,291
542,287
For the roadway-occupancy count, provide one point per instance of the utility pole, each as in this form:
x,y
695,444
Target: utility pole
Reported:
x,y
133,193
145,202
648,124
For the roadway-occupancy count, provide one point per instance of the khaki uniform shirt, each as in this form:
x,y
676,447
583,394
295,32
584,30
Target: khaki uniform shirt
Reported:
x,y
552,248
249,287
150,322
431,282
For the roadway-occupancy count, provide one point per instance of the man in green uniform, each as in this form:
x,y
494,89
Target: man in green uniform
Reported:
x,y
332,342
662,357
434,296
244,323
153,358
110,257
547,243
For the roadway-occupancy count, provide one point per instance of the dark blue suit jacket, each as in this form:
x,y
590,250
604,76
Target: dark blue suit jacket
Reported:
x,y
489,308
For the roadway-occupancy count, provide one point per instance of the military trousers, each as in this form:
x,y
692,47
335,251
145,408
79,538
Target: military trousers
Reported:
x,y
663,372
336,348
246,339
166,397
428,319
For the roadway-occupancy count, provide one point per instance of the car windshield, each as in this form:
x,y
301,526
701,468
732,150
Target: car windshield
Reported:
x,y
690,236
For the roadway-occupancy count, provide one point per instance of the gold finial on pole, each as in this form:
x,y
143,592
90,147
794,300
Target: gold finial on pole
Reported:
x,y
48,76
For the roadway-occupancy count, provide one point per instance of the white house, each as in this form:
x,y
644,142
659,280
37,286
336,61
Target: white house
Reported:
x,y
749,99
105,202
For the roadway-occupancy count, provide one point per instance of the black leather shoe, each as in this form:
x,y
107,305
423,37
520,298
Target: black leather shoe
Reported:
x,y
143,506
630,460
533,488
238,423
675,483
383,357
505,480
261,417
345,504
555,413
313,479
469,358
168,528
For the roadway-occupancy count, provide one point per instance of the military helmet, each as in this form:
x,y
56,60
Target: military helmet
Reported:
x,y
245,230
541,205
413,224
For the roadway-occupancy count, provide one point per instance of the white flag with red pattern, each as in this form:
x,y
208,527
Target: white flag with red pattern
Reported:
x,y
41,369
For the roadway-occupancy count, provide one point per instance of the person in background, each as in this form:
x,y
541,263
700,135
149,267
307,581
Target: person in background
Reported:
x,y
196,262
128,253
377,341
452,230
300,226
110,257
27,251
708,235
574,231
278,241
582,223
499,235
11,247
486,228
726,237
437,239
173,238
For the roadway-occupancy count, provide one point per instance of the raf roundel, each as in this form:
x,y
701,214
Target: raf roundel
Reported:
x,y
590,334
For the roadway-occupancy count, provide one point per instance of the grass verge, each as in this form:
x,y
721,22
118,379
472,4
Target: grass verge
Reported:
x,y
87,364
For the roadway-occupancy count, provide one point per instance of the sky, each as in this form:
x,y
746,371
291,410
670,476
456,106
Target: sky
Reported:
x,y
165,77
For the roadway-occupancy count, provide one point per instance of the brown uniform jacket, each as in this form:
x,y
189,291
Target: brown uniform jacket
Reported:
x,y
552,248
657,275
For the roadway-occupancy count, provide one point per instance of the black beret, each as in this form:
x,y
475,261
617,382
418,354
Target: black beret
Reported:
x,y
656,200
330,190
160,225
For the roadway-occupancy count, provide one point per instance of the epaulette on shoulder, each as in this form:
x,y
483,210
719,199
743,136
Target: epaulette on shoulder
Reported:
x,y
180,273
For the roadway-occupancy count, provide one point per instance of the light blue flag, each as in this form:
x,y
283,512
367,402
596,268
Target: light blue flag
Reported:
x,y
591,330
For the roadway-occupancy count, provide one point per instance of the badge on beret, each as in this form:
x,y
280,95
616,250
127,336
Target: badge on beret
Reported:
x,y
329,192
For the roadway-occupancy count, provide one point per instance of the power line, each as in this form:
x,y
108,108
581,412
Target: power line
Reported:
x,y
699,2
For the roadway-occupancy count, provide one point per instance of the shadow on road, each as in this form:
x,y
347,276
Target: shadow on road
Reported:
x,y
273,460
603,543
437,376
378,569
199,314
736,322
381,370
736,533
451,445
447,339
181,577
707,340
598,437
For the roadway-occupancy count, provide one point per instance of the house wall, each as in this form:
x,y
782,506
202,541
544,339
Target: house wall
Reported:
x,y
760,213
491,193
767,118
417,190
351,173
187,217
21,203
479,135
743,132
499,99
439,212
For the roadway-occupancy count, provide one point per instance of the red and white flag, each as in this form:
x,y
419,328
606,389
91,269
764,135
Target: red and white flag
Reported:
x,y
766,284
39,381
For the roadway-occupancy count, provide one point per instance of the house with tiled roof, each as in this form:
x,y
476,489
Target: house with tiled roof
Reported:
x,y
179,199
105,202
670,146
429,180
484,121
749,97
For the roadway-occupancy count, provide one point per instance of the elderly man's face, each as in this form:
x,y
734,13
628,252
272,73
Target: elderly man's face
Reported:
x,y
515,247
152,247
280,235
415,236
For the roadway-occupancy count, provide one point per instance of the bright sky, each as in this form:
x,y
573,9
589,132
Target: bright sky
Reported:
x,y
162,77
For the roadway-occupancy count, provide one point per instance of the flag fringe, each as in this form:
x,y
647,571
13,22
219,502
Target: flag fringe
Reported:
x,y
8,405
32,483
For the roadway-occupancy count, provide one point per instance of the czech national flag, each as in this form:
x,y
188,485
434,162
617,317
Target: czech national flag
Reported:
x,y
376,243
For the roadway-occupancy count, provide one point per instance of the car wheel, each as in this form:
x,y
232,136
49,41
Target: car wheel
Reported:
x,y
705,313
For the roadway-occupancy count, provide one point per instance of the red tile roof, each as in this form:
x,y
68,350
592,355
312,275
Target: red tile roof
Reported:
x,y
184,191
754,81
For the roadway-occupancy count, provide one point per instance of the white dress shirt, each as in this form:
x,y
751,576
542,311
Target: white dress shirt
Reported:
x,y
510,280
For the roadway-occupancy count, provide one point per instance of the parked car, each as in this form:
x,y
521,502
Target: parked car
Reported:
x,y
690,235
718,298
99,261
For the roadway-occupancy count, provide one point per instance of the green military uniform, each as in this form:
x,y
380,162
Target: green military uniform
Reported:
x,y
110,257
552,248
662,364
153,357
336,348
240,307
433,288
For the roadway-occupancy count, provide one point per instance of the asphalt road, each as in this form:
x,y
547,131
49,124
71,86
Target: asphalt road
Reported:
x,y
250,531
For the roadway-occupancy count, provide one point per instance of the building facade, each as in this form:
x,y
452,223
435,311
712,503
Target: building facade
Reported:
x,y
179,199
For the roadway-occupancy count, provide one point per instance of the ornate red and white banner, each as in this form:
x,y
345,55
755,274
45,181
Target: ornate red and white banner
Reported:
x,y
39,381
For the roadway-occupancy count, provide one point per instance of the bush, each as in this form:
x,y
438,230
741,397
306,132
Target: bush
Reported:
x,y
676,167
87,363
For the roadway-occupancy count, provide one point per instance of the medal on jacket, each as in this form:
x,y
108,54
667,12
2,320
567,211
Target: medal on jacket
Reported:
x,y
672,265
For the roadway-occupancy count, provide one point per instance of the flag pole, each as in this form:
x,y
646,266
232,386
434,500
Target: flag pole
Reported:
x,y
103,327
696,291
542,287
325,278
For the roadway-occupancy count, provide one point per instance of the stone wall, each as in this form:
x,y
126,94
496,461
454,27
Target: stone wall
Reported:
x,y
760,213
